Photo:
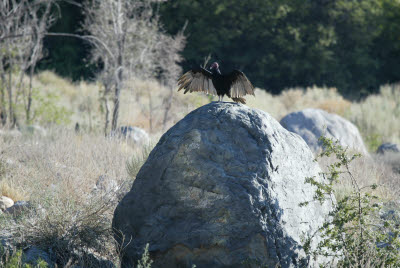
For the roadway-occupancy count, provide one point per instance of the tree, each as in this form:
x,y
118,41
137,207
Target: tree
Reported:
x,y
67,56
349,44
128,41
23,25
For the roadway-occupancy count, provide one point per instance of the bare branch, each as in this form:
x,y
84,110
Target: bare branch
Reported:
x,y
130,43
23,25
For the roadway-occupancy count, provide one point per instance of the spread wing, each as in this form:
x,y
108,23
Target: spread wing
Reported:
x,y
197,80
239,84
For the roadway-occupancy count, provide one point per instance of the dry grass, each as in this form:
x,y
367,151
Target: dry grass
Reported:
x,y
292,100
7,188
378,116
71,163
368,171
74,183
142,104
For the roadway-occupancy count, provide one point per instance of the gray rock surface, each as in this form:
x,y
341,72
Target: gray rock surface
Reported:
x,y
311,124
222,188
388,147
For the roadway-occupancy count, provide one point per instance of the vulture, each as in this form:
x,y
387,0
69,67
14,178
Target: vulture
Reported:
x,y
234,84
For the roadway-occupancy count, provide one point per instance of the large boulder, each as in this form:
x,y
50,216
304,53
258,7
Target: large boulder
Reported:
x,y
222,188
311,124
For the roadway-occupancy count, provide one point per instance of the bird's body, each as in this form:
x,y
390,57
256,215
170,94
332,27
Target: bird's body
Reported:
x,y
234,85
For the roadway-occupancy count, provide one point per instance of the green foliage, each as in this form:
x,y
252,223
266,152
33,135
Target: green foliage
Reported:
x,y
373,141
47,110
67,56
352,45
289,43
354,234
145,261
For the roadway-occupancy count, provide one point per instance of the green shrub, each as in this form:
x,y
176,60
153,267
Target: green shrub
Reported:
x,y
134,164
373,141
355,235
47,110
145,261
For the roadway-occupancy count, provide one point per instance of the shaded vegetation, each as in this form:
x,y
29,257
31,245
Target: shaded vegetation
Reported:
x,y
351,45
68,56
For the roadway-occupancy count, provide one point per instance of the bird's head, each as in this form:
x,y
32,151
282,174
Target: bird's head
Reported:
x,y
215,66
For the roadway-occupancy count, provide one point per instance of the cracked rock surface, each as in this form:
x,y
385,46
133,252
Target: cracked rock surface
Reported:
x,y
222,189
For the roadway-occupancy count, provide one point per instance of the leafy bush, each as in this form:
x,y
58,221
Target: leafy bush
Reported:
x,y
355,235
47,110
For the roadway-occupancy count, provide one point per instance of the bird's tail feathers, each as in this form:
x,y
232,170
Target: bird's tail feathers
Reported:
x,y
239,99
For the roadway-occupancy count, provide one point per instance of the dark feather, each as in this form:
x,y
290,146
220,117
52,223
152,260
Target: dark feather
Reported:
x,y
197,80
239,84
235,84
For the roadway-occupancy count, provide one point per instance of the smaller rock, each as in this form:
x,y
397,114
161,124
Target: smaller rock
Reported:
x,y
95,261
9,161
105,184
18,208
6,240
311,124
388,147
5,202
135,135
35,130
33,254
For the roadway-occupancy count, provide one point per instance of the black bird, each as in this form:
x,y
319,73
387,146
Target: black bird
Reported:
x,y
235,84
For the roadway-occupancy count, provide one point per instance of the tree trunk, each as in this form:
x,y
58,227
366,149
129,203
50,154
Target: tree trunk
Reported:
x,y
116,99
118,86
107,119
167,108
150,112
28,108
3,109
10,99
